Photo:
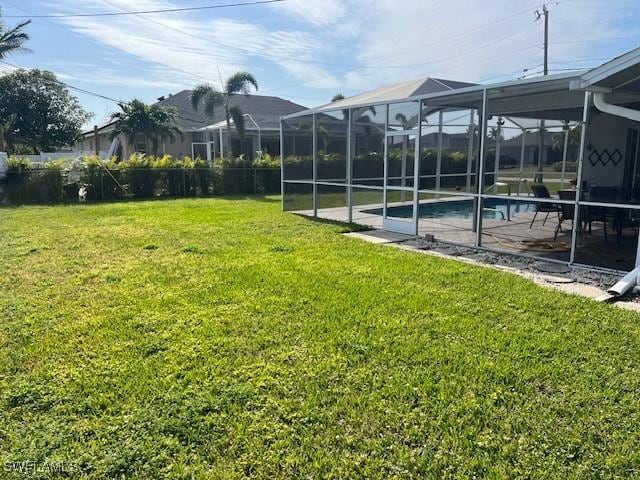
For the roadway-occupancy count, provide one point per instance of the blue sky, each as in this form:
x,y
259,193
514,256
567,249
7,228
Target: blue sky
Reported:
x,y
307,50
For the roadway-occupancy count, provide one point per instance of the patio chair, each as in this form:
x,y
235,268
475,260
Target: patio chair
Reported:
x,y
625,220
600,214
566,210
541,191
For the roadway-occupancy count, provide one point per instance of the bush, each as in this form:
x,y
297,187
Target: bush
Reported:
x,y
169,176
16,182
571,167
267,161
139,175
24,184
46,184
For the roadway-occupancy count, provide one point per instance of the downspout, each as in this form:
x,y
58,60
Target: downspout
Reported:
x,y
630,280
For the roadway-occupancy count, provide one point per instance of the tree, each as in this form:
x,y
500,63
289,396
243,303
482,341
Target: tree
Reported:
x,y
155,123
495,134
574,138
363,120
12,40
337,97
40,112
210,98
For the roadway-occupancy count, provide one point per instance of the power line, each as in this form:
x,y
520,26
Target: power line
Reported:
x,y
171,67
462,34
166,10
448,59
297,59
72,87
89,92
319,62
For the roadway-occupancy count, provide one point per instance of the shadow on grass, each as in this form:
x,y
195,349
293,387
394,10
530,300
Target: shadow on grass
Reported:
x,y
346,227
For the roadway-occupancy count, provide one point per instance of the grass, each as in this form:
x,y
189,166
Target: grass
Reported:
x,y
221,338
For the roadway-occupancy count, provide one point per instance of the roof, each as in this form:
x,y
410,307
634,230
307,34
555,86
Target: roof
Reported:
x,y
266,121
263,108
104,128
266,110
398,91
622,72
466,95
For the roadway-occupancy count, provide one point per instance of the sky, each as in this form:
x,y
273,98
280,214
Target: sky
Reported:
x,y
308,50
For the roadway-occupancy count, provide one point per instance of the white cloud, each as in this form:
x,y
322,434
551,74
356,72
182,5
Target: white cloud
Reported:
x,y
326,45
462,40
197,47
321,13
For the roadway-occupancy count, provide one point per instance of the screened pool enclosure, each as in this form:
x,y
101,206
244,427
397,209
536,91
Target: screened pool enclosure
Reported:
x,y
544,167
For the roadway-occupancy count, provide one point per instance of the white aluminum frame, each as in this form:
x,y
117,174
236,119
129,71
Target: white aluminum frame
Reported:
x,y
476,193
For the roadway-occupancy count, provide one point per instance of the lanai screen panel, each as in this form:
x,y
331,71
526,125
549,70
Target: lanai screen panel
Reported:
x,y
297,197
449,145
522,152
298,148
368,137
331,137
297,188
331,201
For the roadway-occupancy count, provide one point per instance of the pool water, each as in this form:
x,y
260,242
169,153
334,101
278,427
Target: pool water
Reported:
x,y
492,209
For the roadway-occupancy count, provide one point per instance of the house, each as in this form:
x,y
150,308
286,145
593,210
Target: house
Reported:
x,y
204,136
544,167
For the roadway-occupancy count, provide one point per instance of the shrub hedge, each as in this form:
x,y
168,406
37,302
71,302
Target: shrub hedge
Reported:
x,y
139,176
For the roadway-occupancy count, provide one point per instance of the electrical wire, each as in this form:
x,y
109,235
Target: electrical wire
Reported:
x,y
319,62
89,92
251,52
166,10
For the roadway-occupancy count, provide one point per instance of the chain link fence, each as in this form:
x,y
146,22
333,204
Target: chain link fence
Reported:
x,y
97,183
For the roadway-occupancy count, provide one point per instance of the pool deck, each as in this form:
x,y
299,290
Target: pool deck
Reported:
x,y
510,236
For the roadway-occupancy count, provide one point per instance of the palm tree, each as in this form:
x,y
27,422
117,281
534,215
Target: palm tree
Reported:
x,y
154,122
12,40
402,119
210,97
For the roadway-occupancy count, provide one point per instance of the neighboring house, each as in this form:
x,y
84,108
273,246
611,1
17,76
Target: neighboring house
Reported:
x,y
204,136
90,142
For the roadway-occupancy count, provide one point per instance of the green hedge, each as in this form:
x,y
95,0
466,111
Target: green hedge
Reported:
x,y
570,167
139,177
23,184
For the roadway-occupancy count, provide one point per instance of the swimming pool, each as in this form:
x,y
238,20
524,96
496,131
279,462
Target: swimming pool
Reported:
x,y
492,209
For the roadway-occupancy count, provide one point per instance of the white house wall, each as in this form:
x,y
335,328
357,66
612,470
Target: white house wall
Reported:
x,y
606,132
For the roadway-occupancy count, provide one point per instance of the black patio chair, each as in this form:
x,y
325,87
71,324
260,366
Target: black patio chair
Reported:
x,y
567,210
625,220
600,214
541,191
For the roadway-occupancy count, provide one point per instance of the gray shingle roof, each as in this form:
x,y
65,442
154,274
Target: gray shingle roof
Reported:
x,y
266,110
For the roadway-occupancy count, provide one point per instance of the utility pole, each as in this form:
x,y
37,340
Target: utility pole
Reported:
x,y
545,13
541,148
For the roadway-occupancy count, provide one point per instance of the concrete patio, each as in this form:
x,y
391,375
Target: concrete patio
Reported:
x,y
510,236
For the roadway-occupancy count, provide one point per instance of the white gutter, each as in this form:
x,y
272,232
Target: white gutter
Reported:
x,y
603,106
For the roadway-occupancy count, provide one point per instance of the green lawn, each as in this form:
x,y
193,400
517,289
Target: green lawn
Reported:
x,y
221,338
